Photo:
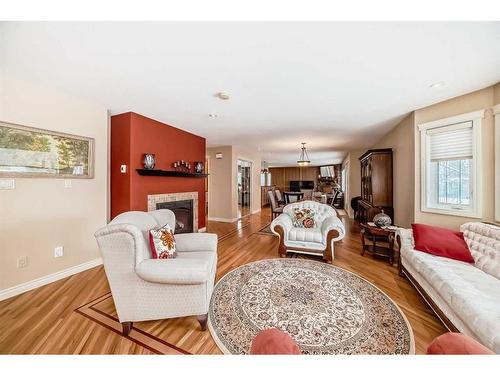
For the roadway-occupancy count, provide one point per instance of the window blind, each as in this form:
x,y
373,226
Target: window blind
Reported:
x,y
453,142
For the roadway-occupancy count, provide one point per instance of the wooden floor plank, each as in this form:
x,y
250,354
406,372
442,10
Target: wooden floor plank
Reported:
x,y
44,320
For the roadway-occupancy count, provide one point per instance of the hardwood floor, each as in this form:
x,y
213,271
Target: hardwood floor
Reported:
x,y
44,320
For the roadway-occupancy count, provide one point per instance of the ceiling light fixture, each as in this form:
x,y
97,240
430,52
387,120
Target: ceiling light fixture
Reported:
x,y
437,84
222,95
304,157
264,169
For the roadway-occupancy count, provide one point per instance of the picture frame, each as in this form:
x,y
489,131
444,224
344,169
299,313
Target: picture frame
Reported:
x,y
33,152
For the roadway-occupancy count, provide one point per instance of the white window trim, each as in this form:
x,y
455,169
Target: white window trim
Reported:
x,y
476,118
496,113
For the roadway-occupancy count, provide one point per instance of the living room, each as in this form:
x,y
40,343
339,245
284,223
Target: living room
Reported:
x,y
250,188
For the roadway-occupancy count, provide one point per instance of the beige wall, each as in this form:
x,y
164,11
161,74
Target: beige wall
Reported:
x,y
496,94
220,186
222,182
253,155
477,100
40,213
401,140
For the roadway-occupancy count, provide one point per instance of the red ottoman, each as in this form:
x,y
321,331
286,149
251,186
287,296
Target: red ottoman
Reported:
x,y
456,343
273,341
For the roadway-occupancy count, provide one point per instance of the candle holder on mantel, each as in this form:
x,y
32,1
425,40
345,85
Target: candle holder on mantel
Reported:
x,y
182,166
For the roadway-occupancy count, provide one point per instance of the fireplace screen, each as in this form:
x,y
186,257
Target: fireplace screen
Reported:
x,y
183,211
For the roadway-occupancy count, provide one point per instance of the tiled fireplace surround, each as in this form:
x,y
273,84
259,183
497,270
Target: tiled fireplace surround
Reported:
x,y
172,197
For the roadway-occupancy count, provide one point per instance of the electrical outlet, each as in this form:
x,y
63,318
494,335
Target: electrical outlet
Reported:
x,y
7,184
22,262
67,184
58,252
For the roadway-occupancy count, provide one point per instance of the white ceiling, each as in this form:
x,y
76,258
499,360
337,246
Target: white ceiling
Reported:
x,y
337,86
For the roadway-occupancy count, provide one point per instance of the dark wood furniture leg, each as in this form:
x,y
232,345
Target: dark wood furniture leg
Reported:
x,y
126,328
400,266
327,255
281,247
391,248
362,241
203,320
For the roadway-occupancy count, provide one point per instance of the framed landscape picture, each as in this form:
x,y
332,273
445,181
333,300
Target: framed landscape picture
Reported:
x,y
32,152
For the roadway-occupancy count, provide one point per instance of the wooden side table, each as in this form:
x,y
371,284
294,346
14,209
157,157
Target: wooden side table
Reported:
x,y
378,236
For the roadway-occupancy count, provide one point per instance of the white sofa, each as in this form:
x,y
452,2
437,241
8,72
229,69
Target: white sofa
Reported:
x,y
465,296
314,241
150,289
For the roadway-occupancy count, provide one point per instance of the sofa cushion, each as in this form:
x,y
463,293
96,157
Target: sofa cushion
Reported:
x,y
484,243
186,268
471,293
441,242
305,234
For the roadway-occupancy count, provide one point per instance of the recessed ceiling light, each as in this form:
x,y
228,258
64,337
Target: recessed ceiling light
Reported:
x,y
212,115
437,84
222,95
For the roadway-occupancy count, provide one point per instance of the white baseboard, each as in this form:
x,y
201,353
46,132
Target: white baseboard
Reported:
x,y
21,288
202,230
222,219
256,211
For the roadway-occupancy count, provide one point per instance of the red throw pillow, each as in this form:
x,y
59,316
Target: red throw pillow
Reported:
x,y
441,242
456,343
273,341
162,243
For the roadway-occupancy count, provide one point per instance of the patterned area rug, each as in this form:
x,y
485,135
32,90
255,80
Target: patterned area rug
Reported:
x,y
266,229
326,309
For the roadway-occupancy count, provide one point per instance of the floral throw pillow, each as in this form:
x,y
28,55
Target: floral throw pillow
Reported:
x,y
303,218
162,243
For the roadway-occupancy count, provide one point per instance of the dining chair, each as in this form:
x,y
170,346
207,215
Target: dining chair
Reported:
x,y
308,194
279,197
275,208
335,195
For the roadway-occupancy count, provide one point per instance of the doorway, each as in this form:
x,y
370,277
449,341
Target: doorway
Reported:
x,y
244,187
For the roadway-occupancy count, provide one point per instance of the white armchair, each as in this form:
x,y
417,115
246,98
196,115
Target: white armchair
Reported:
x,y
318,240
150,289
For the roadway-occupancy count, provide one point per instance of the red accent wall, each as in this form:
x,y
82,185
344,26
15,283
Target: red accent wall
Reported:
x,y
133,135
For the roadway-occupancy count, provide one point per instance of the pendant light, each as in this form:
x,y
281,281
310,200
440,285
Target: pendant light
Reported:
x,y
304,157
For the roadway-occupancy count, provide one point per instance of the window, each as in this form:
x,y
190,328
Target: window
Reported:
x,y
450,165
327,171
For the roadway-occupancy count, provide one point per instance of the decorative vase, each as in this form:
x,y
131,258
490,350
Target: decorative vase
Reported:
x,y
149,161
198,167
382,219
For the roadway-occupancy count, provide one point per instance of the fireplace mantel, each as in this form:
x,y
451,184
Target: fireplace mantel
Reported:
x,y
164,173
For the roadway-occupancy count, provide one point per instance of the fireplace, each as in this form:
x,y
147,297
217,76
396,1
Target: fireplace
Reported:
x,y
183,211
172,201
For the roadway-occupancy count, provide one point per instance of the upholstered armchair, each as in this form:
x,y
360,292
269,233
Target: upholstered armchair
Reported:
x,y
149,289
317,240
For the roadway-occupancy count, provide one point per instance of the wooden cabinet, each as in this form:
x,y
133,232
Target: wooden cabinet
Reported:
x,y
309,174
376,183
278,178
281,176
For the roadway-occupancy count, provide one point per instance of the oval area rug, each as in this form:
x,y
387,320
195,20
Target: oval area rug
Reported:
x,y
326,309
